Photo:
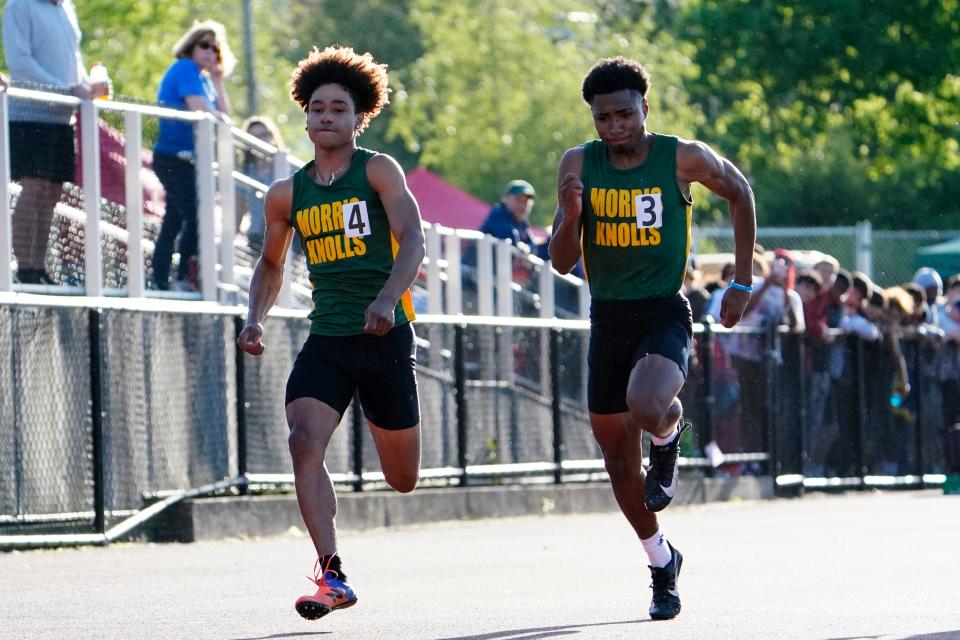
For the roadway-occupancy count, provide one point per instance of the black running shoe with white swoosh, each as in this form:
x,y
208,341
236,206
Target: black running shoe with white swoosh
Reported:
x,y
666,599
664,472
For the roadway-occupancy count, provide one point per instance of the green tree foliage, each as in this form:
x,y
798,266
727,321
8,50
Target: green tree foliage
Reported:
x,y
382,27
496,95
838,111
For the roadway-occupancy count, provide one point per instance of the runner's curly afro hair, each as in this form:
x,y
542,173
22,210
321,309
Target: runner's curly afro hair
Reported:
x,y
363,78
610,75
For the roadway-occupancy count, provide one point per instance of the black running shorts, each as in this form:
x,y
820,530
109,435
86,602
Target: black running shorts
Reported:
x,y
42,150
381,368
624,331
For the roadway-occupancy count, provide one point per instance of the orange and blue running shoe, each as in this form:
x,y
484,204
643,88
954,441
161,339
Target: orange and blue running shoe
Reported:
x,y
332,594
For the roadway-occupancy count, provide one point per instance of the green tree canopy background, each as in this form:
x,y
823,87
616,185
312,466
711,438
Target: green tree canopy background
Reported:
x,y
836,111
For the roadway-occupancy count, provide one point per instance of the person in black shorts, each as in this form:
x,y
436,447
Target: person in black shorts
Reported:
x,y
41,44
625,206
360,231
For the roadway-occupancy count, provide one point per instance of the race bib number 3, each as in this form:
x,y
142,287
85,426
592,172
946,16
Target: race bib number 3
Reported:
x,y
356,221
649,211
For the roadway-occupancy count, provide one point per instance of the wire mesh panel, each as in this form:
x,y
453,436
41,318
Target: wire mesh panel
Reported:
x,y
508,395
177,430
9,432
578,440
45,414
435,382
265,379
895,253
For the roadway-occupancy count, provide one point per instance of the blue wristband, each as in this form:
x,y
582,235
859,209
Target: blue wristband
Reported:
x,y
740,287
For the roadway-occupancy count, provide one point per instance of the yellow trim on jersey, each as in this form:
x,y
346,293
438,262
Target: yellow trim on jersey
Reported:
x,y
686,256
406,300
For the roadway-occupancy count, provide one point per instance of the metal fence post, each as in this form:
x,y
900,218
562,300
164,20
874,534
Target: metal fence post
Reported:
x,y
863,245
546,290
460,392
454,297
206,190
916,390
860,418
710,399
504,279
556,405
357,430
96,415
238,323
485,276
773,463
133,190
434,282
90,154
228,206
6,238
802,399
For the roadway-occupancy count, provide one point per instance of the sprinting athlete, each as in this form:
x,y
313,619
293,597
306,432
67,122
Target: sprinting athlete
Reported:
x,y
360,231
625,205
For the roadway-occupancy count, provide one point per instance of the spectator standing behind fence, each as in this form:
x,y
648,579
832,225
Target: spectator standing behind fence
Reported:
x,y
624,204
194,82
932,285
945,312
41,44
855,319
766,309
509,219
258,166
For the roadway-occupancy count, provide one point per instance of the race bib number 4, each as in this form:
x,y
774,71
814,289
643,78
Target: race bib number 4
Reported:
x,y
356,221
649,211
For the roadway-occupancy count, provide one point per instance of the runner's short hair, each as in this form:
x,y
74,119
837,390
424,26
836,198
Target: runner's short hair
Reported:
x,y
610,75
362,77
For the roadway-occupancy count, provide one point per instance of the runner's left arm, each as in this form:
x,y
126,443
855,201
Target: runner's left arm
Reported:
x,y
387,179
696,162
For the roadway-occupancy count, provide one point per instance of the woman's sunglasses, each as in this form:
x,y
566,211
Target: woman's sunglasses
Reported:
x,y
203,44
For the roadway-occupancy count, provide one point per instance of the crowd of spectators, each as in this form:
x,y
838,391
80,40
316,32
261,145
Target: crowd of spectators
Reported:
x,y
825,303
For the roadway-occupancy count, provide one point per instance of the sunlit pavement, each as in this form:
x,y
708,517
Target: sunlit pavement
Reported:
x,y
875,565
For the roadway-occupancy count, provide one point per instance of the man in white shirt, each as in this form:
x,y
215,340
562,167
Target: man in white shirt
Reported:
x,y
41,44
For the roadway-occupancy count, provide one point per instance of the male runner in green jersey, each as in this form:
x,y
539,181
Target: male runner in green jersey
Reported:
x,y
360,230
625,205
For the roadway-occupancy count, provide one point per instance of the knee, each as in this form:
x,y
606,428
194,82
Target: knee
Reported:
x,y
302,443
653,414
403,482
647,412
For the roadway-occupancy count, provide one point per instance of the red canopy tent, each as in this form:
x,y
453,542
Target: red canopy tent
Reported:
x,y
442,203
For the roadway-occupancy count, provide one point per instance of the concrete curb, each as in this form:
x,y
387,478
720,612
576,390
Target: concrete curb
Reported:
x,y
216,518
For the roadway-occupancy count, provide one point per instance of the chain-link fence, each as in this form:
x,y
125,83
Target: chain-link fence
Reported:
x,y
891,254
110,409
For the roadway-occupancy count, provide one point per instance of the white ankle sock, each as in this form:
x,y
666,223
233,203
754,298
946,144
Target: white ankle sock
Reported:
x,y
662,441
657,550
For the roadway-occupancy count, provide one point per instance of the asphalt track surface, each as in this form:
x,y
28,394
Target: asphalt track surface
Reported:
x,y
866,566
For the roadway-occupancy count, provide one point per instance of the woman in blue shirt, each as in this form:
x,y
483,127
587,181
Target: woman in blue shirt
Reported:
x,y
194,82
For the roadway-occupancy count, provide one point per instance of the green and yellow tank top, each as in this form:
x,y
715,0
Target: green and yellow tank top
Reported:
x,y
348,246
636,224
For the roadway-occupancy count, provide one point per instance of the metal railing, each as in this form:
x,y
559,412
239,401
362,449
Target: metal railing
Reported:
x,y
443,281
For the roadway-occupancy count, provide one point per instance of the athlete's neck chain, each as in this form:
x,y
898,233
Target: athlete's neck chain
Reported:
x,y
333,176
